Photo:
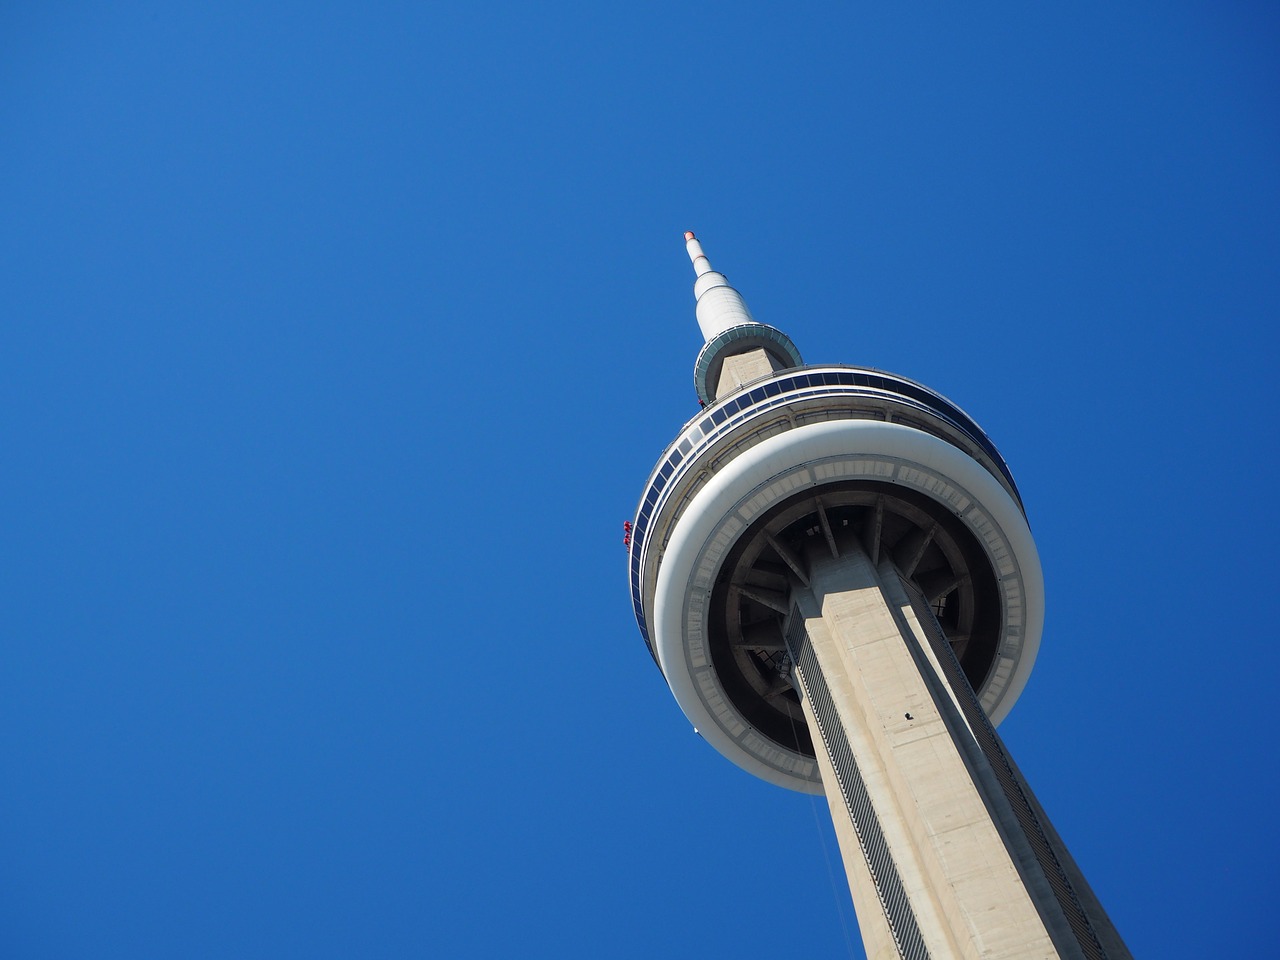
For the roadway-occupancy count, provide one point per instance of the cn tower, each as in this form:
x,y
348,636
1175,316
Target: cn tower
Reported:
x,y
833,570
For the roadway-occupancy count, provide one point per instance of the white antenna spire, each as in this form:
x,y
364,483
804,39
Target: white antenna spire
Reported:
x,y
719,305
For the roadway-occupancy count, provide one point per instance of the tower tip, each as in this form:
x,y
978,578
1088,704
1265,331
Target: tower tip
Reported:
x,y
691,244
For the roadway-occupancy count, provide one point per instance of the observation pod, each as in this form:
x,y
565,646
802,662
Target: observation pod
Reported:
x,y
833,570
785,457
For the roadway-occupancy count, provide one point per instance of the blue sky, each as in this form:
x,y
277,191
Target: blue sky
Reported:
x,y
336,343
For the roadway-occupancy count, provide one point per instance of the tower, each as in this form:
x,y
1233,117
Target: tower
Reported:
x,y
833,570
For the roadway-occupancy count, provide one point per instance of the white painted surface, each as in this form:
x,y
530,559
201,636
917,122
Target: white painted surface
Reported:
x,y
720,306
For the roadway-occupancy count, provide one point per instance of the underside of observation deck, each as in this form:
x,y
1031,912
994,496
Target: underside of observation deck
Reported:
x,y
927,542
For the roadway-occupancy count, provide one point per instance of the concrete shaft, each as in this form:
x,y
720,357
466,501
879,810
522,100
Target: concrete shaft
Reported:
x,y
940,861
743,368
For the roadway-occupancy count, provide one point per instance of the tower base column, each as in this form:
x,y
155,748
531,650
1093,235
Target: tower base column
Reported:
x,y
934,871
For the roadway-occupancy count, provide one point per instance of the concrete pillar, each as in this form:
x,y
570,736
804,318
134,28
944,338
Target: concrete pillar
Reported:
x,y
954,885
743,368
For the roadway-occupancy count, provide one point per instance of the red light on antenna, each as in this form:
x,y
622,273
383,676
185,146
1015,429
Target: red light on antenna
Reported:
x,y
688,234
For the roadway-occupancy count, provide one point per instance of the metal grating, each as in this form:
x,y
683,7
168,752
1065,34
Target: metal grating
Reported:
x,y
893,898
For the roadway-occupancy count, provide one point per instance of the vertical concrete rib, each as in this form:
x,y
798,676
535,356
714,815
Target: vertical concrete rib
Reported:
x,y
895,905
1042,857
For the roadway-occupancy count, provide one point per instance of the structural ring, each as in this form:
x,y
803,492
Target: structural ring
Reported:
x,y
807,458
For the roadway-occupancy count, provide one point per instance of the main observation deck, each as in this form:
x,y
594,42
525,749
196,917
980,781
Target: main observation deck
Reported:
x,y
734,496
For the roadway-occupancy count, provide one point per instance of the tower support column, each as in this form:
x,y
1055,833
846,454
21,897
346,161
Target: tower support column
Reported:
x,y
936,862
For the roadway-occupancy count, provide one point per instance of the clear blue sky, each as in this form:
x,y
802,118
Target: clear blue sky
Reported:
x,y
337,340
